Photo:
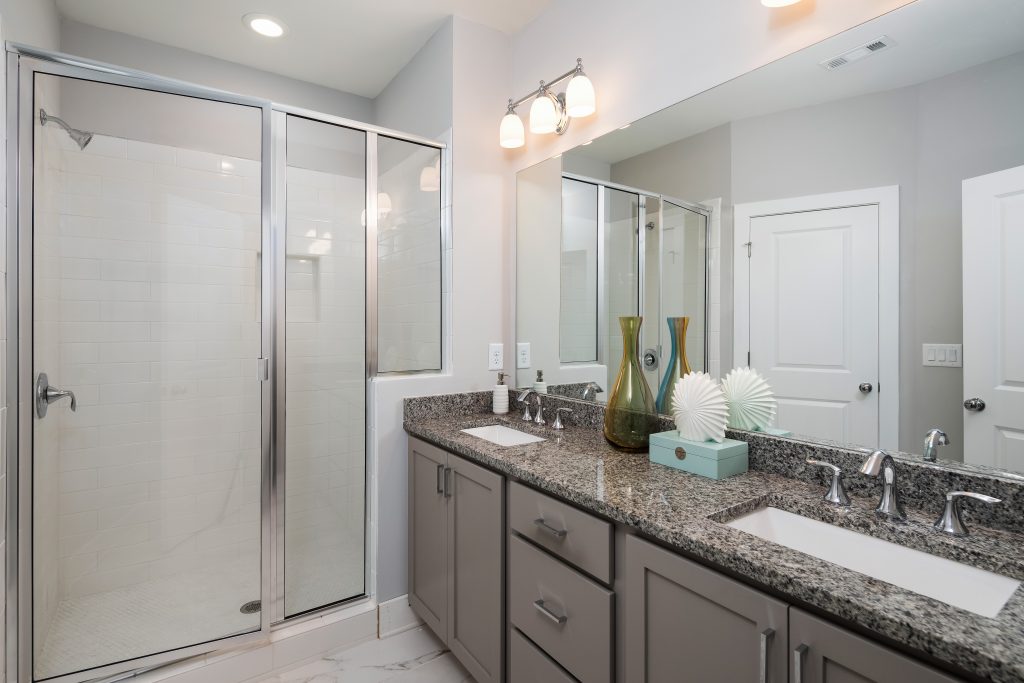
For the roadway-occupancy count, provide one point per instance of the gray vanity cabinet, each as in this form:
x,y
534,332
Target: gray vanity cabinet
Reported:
x,y
822,652
456,556
684,621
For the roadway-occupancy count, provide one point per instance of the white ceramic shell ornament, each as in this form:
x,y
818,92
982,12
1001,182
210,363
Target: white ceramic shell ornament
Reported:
x,y
699,408
752,404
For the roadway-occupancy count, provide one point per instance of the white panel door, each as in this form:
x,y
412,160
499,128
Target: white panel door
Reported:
x,y
813,292
993,236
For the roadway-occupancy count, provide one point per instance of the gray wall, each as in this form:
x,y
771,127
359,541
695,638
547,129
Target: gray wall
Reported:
x,y
145,55
35,22
419,98
927,139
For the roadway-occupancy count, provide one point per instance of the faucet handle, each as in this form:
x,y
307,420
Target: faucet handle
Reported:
x,y
950,520
836,494
557,424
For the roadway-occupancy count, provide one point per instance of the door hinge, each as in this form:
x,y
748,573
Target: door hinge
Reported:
x,y
748,245
263,369
748,359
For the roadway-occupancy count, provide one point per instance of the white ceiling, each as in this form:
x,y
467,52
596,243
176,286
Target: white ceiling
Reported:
x,y
933,38
352,45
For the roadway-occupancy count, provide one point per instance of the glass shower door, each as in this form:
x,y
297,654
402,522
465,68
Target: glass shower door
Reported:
x,y
325,348
683,279
622,271
147,334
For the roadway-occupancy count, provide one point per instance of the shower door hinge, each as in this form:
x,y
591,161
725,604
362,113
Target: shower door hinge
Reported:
x,y
748,359
263,369
748,245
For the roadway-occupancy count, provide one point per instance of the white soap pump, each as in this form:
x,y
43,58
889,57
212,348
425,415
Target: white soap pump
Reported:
x,y
540,386
499,400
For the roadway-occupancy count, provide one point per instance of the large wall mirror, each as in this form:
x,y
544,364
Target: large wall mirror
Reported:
x,y
847,220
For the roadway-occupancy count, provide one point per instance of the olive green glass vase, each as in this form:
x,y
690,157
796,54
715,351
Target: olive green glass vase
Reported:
x,y
630,416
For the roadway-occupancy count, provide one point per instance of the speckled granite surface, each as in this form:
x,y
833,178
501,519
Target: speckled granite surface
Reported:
x,y
687,512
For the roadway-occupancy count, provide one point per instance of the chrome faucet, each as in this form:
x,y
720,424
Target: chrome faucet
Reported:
x,y
881,463
592,390
836,494
932,440
950,521
539,418
557,424
523,398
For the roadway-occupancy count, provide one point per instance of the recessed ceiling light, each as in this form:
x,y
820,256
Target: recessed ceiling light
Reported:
x,y
264,24
586,143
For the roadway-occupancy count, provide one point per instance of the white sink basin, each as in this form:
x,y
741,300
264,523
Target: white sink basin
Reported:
x,y
502,436
960,585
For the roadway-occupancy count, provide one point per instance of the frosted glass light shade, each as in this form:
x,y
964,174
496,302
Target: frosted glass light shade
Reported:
x,y
579,97
430,179
383,204
543,115
511,134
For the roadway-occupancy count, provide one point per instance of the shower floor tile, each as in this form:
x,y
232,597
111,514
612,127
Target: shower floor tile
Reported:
x,y
411,656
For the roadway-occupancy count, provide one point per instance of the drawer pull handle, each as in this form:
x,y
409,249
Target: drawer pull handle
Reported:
x,y
557,533
798,663
766,639
447,482
559,619
440,476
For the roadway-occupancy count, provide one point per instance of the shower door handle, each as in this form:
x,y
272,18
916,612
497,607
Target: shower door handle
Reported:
x,y
45,395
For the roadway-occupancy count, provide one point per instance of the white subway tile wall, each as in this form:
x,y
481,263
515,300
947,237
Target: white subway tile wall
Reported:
x,y
148,308
325,388
409,254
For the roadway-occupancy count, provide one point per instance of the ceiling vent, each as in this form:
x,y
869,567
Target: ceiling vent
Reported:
x,y
857,53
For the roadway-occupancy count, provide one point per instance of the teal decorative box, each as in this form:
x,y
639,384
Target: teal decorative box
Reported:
x,y
708,459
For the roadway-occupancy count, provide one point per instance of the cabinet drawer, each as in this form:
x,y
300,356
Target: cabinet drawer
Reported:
x,y
566,614
527,664
580,539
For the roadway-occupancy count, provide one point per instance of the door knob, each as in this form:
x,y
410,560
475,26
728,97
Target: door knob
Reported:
x,y
45,395
974,404
866,387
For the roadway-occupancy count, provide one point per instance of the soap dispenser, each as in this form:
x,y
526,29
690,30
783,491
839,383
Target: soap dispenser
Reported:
x,y
540,386
499,400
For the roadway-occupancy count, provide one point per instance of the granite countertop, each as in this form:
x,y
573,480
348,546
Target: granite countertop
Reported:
x,y
687,512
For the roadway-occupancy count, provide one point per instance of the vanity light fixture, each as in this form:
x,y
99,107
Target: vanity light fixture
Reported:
x,y
430,177
549,112
264,24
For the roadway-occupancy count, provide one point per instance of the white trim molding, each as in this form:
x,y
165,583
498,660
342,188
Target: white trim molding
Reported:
x,y
887,199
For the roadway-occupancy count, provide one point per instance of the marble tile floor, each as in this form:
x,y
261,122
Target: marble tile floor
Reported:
x,y
408,657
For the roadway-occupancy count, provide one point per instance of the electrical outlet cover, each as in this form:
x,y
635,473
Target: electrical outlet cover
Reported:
x,y
496,357
522,355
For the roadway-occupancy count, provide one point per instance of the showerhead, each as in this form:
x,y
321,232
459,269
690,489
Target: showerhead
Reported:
x,y
81,137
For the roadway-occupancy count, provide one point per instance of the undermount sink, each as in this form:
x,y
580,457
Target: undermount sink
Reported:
x,y
969,588
502,436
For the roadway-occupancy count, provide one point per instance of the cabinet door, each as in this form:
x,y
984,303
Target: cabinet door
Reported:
x,y
476,564
428,584
684,621
823,652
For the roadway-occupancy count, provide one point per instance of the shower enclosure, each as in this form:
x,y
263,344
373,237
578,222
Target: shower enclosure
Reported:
x,y
192,307
641,253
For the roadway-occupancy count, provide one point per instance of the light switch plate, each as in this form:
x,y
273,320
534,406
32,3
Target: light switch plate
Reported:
x,y
942,355
522,355
496,357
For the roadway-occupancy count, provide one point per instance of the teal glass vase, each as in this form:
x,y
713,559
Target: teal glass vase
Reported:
x,y
677,366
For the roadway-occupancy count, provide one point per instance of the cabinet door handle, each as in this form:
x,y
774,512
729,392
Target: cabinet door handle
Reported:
x,y
557,533
766,639
440,477
447,482
798,663
559,619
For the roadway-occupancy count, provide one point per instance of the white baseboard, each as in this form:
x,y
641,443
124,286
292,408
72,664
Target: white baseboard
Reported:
x,y
395,616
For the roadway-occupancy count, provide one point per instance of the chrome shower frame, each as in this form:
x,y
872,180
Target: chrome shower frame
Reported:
x,y
23,63
603,323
